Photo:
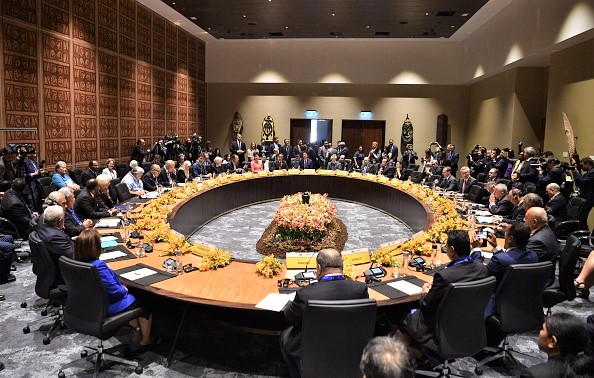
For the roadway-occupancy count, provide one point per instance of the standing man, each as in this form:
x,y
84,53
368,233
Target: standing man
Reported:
x,y
139,151
287,150
375,155
585,183
409,156
331,285
238,148
392,150
451,159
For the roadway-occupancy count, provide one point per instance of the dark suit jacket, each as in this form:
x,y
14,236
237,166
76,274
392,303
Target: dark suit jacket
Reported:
x,y
287,151
421,324
528,172
544,244
71,226
276,165
586,184
86,206
86,175
502,207
15,210
149,182
554,175
402,175
451,160
323,290
449,183
469,182
138,154
57,243
517,214
557,207
553,368
164,178
181,175
305,164
236,147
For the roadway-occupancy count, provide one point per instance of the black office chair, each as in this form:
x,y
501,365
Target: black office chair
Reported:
x,y
76,176
576,217
123,169
563,289
413,167
416,177
475,194
519,304
46,285
481,177
530,187
122,192
333,335
112,192
459,323
349,165
504,181
86,310
44,186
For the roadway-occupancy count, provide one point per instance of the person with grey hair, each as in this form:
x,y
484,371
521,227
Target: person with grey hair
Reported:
x,y
73,223
61,179
331,285
557,205
499,203
387,357
87,207
184,172
104,196
51,233
218,168
150,180
542,239
133,181
168,177
527,170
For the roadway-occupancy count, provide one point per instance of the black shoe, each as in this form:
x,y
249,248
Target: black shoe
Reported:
x,y
9,278
1,366
12,268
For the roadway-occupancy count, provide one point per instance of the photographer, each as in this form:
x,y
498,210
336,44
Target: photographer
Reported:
x,y
476,161
549,172
139,152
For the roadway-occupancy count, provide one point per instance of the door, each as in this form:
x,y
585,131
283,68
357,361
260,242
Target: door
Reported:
x,y
357,133
310,130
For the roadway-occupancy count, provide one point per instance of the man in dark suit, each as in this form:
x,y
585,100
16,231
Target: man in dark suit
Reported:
x,y
73,224
553,174
514,252
150,180
168,175
418,328
90,172
585,183
448,182
16,210
287,150
542,239
465,181
53,237
527,170
451,159
238,148
557,205
305,162
331,285
139,151
392,150
280,163
86,205
342,150
234,166
499,203
519,211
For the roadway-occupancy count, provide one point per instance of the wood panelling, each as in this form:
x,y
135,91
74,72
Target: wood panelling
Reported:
x,y
94,76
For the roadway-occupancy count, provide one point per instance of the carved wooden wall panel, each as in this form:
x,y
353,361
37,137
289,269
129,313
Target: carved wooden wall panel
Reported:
x,y
92,76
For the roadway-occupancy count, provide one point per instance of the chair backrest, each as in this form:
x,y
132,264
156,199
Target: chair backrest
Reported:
x,y
413,167
475,193
122,192
86,306
575,208
530,188
519,296
480,177
112,191
431,180
333,335
44,267
416,176
459,321
567,261
122,169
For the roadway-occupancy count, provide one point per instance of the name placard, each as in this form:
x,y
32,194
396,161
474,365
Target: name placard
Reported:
x,y
356,256
342,173
309,171
299,260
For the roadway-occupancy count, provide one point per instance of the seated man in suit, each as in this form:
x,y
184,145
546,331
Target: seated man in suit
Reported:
x,y
465,181
86,205
557,205
399,172
448,182
418,328
234,166
305,162
16,210
53,236
280,163
90,172
499,203
168,175
518,212
150,180
331,285
73,224
201,167
387,357
542,239
366,166
514,252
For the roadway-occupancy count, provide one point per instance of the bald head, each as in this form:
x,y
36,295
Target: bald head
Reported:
x,y
328,261
536,217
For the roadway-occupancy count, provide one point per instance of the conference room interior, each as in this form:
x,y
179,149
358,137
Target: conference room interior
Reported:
x,y
96,78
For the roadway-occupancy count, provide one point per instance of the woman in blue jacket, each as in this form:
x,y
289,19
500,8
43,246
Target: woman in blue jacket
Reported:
x,y
87,249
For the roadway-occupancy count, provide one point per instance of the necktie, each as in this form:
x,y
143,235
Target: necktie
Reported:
x,y
76,218
463,186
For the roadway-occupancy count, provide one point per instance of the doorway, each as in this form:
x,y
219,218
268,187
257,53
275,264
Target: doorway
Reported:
x,y
310,130
357,133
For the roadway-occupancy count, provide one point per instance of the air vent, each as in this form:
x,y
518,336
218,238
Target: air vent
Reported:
x,y
445,13
252,23
382,34
275,34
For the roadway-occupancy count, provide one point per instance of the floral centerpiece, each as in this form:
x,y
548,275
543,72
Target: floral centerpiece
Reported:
x,y
269,266
299,226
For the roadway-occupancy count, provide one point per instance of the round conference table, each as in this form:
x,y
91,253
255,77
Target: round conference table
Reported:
x,y
237,285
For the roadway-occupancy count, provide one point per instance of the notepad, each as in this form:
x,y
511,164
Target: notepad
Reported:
x,y
108,243
111,255
108,223
484,220
150,195
138,274
482,213
275,302
405,287
108,238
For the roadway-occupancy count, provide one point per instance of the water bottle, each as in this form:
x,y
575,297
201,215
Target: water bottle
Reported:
x,y
178,262
405,257
140,250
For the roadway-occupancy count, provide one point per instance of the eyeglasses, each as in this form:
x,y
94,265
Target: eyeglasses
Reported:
x,y
444,249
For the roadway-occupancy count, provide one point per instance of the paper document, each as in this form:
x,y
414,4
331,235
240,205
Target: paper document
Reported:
x,y
151,195
483,213
108,238
108,243
138,274
275,302
484,220
405,287
108,223
111,255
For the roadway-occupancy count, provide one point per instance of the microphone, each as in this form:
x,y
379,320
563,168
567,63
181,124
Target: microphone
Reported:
x,y
305,275
373,274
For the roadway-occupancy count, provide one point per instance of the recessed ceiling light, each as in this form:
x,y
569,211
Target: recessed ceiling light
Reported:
x,y
286,27
464,14
244,16
333,14
193,18
426,13
173,3
367,26
452,26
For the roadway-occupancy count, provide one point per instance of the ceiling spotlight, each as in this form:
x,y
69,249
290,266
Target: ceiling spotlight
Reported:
x,y
426,13
244,16
173,3
464,14
286,27
333,14
367,26
193,18
452,26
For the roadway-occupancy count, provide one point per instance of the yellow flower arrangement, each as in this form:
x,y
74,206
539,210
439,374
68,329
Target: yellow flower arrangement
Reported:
x,y
212,258
269,266
348,270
